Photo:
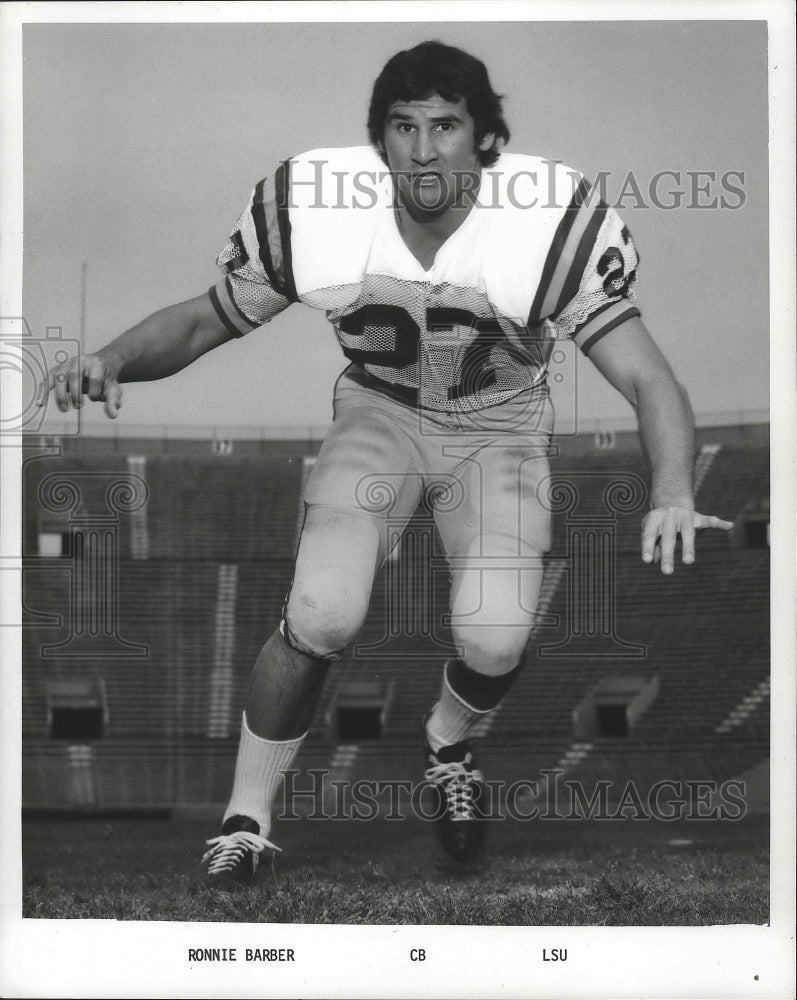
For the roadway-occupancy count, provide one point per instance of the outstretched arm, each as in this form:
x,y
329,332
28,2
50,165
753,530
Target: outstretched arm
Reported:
x,y
628,357
162,344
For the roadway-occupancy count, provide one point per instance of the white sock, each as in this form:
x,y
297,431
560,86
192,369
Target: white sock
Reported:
x,y
452,719
258,770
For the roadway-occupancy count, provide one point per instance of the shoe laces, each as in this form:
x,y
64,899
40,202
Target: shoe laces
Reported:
x,y
228,850
459,783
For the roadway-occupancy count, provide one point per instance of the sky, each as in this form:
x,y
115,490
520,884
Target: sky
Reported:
x,y
143,141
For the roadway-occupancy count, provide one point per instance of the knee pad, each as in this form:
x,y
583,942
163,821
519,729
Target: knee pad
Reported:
x,y
299,647
492,651
321,629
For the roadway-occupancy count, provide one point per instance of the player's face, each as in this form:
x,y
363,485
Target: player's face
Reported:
x,y
431,150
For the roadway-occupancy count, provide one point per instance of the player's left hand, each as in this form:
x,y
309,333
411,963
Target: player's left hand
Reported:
x,y
661,528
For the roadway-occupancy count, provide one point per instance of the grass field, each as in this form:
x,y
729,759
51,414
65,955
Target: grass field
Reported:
x,y
381,872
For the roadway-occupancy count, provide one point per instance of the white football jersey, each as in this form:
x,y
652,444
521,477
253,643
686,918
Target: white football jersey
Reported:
x,y
538,256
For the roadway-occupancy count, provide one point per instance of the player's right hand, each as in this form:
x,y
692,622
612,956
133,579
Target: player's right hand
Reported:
x,y
91,376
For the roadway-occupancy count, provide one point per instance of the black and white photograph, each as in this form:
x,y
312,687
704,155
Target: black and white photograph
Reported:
x,y
398,557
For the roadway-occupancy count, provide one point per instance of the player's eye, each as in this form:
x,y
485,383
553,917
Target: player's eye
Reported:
x,y
444,126
404,127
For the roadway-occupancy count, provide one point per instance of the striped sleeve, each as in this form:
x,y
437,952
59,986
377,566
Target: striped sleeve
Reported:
x,y
588,281
256,262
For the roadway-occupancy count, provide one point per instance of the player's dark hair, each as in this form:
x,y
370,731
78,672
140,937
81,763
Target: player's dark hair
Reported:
x,y
434,68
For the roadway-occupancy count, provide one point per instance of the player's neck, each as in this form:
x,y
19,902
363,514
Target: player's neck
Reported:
x,y
423,233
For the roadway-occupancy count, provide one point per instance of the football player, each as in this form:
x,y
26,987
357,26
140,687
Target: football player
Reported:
x,y
448,267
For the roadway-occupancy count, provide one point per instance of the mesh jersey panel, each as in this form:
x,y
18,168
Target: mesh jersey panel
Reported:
x,y
446,342
249,284
255,297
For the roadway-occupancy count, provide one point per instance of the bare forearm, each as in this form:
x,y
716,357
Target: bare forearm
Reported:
x,y
666,426
159,346
163,343
634,365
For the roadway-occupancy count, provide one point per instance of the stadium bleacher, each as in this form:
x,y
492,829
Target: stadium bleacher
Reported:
x,y
169,627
